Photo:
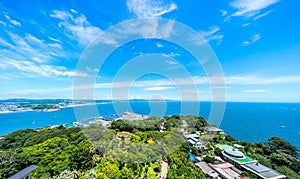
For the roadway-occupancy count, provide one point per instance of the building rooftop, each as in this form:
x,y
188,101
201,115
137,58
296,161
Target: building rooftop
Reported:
x,y
194,140
257,167
238,146
225,170
195,136
234,153
207,169
263,171
213,129
191,141
23,173
222,165
243,161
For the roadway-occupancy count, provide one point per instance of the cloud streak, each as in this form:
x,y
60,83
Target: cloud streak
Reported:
x,y
211,35
30,47
249,8
33,69
200,80
255,91
253,39
12,21
149,8
158,88
77,28
262,15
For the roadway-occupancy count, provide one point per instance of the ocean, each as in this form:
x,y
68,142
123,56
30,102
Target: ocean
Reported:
x,y
251,122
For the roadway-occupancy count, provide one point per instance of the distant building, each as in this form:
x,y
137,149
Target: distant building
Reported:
x,y
234,153
133,116
262,171
212,130
226,170
208,170
194,140
242,162
234,156
223,170
238,146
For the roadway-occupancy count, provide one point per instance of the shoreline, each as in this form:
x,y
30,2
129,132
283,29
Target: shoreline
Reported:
x,y
54,109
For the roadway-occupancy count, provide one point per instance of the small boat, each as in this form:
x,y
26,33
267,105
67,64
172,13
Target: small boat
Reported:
x,y
282,126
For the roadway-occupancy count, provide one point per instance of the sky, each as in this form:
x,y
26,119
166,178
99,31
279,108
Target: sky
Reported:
x,y
256,43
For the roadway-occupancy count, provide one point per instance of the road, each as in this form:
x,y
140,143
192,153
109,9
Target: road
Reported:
x,y
164,170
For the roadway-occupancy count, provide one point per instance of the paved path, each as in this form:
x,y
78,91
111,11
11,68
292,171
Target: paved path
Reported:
x,y
164,170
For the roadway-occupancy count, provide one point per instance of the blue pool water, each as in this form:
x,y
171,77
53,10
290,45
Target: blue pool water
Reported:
x,y
192,157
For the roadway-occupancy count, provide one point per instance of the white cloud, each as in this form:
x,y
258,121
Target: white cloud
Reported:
x,y
220,87
246,24
255,91
256,80
262,15
158,88
171,62
211,31
249,8
234,79
253,39
77,28
5,43
149,8
38,91
12,21
28,56
223,12
172,54
33,40
211,34
3,23
32,69
73,10
54,39
29,47
148,28
195,91
246,43
158,45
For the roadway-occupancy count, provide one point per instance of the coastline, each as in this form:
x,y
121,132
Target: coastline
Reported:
x,y
244,121
52,110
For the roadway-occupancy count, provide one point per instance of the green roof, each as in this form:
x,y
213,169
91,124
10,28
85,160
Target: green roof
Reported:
x,y
224,146
243,161
240,161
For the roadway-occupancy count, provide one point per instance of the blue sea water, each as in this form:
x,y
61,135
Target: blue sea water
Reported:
x,y
251,122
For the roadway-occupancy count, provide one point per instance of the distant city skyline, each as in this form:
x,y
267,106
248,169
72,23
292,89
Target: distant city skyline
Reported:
x,y
256,42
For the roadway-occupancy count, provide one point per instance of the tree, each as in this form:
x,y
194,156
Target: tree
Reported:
x,y
284,146
209,159
81,156
218,151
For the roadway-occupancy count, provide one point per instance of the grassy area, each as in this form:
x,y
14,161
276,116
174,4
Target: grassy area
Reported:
x,y
206,137
224,146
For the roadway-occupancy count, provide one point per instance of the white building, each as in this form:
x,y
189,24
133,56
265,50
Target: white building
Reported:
x,y
194,140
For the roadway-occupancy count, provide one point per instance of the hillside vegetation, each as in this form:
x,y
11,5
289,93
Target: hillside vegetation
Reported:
x,y
62,152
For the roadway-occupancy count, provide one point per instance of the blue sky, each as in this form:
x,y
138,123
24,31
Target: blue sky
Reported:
x,y
256,42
